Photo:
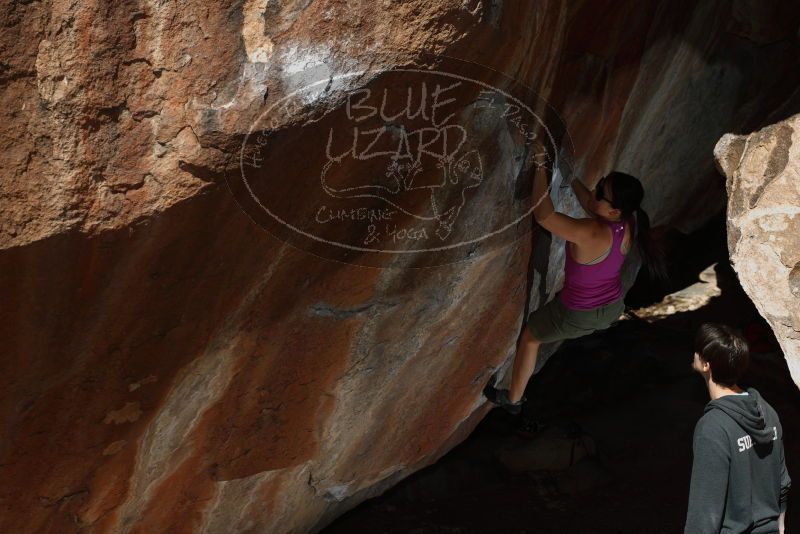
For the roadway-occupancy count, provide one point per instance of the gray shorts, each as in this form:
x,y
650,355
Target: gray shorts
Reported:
x,y
554,321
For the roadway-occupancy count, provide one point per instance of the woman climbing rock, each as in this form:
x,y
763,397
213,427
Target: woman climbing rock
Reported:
x,y
596,248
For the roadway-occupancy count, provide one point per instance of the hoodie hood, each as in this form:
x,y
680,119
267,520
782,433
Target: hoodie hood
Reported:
x,y
748,412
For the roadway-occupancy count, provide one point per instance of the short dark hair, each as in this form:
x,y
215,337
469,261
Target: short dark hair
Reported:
x,y
725,349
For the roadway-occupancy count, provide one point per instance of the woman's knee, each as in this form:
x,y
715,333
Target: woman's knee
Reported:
x,y
529,337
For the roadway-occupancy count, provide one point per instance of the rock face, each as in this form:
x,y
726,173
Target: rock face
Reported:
x,y
763,182
168,366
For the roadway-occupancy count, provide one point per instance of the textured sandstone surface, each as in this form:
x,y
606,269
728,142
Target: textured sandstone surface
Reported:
x,y
168,366
763,182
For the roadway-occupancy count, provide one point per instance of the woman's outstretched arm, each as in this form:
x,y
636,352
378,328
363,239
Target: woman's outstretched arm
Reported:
x,y
542,203
583,193
560,224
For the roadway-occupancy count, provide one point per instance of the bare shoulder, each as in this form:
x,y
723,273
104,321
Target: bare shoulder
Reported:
x,y
581,230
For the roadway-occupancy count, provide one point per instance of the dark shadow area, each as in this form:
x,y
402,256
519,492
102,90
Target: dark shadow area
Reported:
x,y
608,444
686,257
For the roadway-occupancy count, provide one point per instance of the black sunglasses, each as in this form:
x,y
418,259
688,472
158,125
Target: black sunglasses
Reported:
x,y
598,191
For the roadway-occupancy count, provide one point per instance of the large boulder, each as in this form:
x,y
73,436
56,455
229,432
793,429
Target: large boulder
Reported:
x,y
168,366
763,182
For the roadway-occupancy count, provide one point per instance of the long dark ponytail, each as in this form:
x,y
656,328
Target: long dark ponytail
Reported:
x,y
627,192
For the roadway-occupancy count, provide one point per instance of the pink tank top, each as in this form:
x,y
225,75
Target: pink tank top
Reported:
x,y
592,286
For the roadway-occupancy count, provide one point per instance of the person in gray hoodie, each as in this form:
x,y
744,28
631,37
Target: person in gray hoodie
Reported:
x,y
739,479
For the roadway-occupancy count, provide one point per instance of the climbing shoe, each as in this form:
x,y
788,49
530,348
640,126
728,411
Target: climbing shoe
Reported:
x,y
500,398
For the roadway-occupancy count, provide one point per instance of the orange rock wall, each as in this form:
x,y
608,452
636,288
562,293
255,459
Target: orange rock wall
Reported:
x,y
168,366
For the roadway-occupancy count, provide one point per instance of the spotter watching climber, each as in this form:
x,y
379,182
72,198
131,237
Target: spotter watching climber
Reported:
x,y
739,479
